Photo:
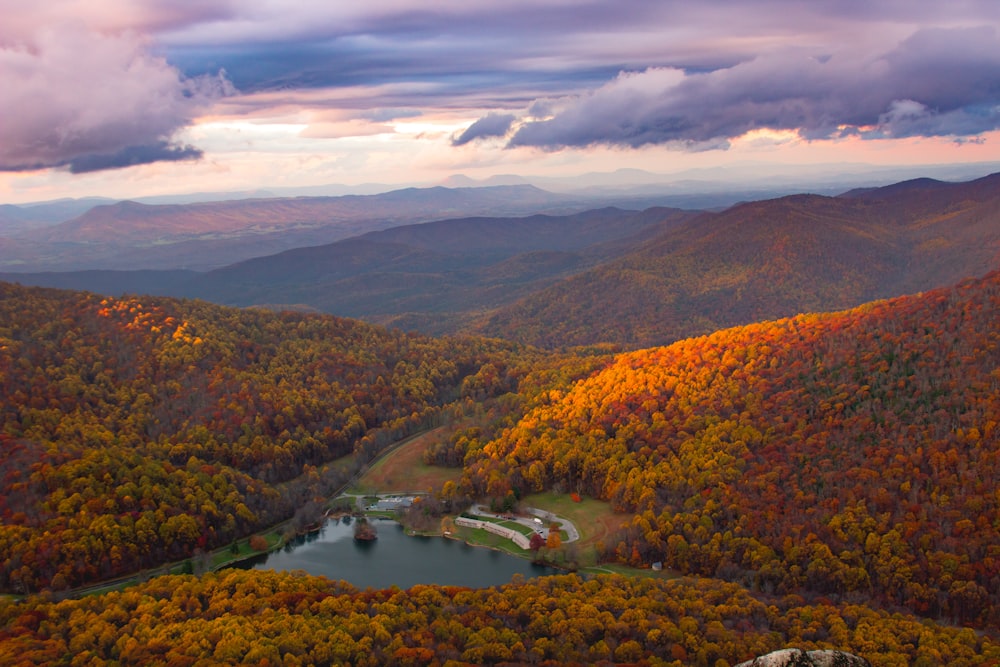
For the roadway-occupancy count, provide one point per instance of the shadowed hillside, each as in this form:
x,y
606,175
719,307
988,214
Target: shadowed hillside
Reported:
x,y
443,270
768,259
632,279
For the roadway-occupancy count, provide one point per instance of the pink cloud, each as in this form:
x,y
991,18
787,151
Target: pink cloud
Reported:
x,y
72,94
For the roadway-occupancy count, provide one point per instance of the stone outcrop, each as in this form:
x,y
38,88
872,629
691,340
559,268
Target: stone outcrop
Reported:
x,y
794,657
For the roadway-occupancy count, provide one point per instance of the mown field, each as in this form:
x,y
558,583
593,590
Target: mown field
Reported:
x,y
595,519
403,470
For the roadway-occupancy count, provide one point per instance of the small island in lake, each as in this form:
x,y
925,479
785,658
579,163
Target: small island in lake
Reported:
x,y
364,531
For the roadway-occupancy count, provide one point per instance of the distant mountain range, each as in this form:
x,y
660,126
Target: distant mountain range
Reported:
x,y
205,235
436,272
738,180
17,219
210,230
631,278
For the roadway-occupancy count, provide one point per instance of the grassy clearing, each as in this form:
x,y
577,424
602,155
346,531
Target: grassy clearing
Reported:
x,y
480,537
226,556
595,519
222,557
403,470
514,525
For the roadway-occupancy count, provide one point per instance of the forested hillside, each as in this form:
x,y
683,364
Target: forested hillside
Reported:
x,y
239,617
135,431
828,466
852,454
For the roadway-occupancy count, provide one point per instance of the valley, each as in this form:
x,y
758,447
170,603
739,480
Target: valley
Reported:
x,y
789,406
408,334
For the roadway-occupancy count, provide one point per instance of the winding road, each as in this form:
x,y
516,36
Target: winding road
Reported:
x,y
547,518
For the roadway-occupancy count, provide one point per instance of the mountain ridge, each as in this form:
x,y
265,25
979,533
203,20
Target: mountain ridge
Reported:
x,y
767,259
666,275
203,235
433,267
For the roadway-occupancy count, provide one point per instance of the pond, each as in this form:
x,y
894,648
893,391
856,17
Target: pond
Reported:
x,y
395,559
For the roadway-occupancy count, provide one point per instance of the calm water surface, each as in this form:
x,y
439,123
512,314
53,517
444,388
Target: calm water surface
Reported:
x,y
396,559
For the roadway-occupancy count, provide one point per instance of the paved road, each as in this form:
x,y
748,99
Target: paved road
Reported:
x,y
542,528
572,534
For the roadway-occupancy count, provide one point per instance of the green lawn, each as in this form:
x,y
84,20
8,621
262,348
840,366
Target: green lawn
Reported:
x,y
480,537
225,556
594,519
519,527
513,525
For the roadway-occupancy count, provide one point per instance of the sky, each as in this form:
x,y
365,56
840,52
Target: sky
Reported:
x,y
129,98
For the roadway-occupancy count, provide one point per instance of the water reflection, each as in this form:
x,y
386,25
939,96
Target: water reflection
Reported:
x,y
395,559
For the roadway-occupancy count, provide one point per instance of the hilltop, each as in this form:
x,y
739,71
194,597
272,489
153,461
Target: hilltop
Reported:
x,y
768,259
849,453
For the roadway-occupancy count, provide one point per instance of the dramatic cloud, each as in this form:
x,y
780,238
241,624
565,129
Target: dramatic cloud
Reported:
x,y
491,125
939,82
519,48
109,83
81,99
133,155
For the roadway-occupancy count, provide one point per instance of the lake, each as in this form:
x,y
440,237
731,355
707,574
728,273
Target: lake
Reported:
x,y
395,559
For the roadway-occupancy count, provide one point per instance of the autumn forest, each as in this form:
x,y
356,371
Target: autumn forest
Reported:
x,y
818,480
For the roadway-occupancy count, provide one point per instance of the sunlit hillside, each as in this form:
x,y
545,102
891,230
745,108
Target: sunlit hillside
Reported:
x,y
850,454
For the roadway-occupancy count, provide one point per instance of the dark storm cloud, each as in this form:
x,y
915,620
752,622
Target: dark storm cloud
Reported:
x,y
131,156
491,125
461,47
939,82
453,69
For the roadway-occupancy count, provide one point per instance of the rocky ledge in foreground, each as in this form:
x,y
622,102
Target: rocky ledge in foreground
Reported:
x,y
794,657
